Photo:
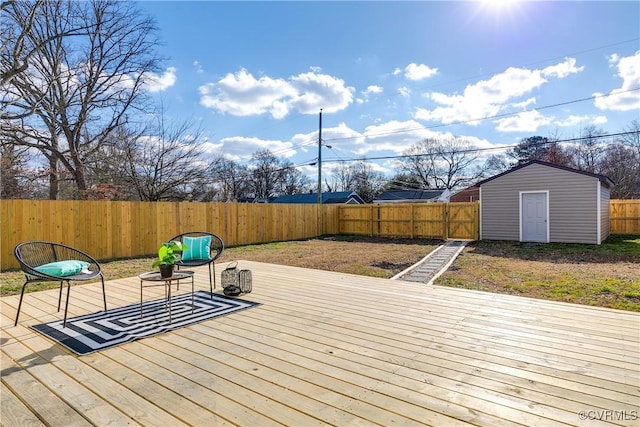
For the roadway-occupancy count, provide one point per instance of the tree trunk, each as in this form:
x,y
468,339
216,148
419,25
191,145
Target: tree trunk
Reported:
x,y
54,182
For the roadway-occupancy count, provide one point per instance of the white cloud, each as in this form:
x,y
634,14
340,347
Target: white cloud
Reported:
x,y
524,104
373,89
395,136
404,91
417,72
562,69
623,98
572,121
370,90
525,121
315,91
241,94
158,83
488,98
198,66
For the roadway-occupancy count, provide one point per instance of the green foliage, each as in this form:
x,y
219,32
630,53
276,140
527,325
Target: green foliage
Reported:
x,y
169,253
531,148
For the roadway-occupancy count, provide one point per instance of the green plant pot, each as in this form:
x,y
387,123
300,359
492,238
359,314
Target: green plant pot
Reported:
x,y
166,270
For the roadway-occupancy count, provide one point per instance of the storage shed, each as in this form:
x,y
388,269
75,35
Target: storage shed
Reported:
x,y
544,202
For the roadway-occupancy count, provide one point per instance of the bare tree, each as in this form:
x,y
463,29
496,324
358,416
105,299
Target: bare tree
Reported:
x,y
403,181
165,163
589,151
449,163
294,181
341,178
557,155
268,175
231,179
621,165
16,21
361,178
495,164
632,137
81,87
417,162
456,164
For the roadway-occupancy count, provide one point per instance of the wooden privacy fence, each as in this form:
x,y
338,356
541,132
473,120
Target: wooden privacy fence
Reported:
x,y
110,230
411,220
624,216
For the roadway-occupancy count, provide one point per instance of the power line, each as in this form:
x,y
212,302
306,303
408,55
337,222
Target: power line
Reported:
x,y
497,116
313,141
477,150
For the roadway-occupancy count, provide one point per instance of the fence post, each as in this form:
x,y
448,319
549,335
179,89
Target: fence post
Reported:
x,y
445,221
412,221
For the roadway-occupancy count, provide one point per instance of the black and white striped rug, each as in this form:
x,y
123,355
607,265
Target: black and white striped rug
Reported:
x,y
93,332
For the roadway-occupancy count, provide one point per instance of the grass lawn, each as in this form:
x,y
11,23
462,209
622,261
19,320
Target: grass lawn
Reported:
x,y
607,275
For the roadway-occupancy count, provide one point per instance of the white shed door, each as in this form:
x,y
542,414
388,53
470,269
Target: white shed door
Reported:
x,y
534,217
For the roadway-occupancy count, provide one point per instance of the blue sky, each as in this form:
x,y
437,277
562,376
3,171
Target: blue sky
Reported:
x,y
254,75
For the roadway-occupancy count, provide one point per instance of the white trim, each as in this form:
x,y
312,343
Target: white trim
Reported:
x,y
546,192
598,214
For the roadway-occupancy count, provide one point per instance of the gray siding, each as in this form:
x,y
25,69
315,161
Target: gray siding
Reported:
x,y
573,216
605,224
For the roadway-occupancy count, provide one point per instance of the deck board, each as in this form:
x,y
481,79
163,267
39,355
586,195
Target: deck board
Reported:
x,y
327,348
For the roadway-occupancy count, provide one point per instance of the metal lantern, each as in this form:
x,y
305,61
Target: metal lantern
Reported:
x,y
236,281
244,278
230,275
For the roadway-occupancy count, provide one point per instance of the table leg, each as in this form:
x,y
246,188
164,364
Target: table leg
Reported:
x,y
141,298
169,299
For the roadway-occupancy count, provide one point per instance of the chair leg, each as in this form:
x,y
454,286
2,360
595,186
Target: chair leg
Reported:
x,y
104,294
60,295
66,305
20,303
210,286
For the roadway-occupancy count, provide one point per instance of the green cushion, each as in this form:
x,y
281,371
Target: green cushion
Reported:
x,y
63,268
197,248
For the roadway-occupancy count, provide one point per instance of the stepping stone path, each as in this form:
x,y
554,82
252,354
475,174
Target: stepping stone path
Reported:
x,y
434,264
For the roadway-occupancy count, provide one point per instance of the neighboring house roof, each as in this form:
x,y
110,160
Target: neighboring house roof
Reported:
x,y
339,197
400,196
603,179
255,200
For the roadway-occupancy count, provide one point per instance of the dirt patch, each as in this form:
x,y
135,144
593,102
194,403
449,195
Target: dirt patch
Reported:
x,y
376,257
606,275
367,256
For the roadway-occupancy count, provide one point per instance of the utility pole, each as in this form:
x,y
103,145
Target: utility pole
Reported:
x,y
320,160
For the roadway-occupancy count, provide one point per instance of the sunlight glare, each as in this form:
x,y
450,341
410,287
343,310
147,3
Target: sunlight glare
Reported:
x,y
499,4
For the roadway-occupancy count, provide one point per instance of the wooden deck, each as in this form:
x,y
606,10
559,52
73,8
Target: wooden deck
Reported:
x,y
331,349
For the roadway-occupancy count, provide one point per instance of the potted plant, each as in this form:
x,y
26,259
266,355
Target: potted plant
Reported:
x,y
168,254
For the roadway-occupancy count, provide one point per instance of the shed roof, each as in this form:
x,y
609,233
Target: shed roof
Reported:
x,y
603,179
